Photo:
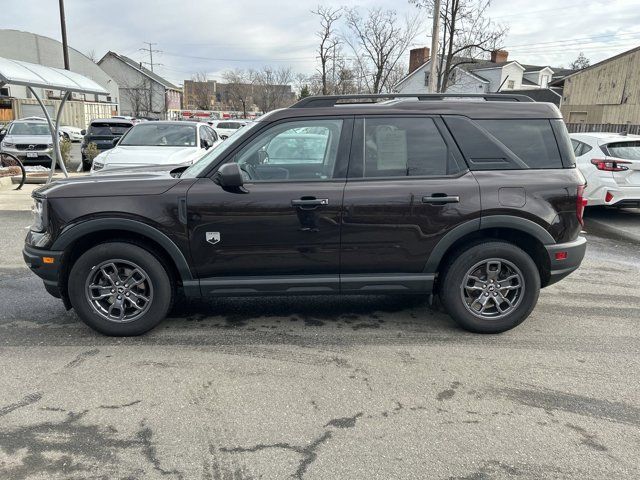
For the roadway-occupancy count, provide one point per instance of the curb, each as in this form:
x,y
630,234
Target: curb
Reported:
x,y
600,227
6,183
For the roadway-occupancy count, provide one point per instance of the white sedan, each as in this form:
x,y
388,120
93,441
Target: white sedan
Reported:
x,y
226,128
159,143
610,162
73,134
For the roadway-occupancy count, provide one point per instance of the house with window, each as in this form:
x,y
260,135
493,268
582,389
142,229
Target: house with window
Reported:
x,y
142,92
497,74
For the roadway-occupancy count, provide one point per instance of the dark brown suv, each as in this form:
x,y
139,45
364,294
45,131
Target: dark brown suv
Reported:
x,y
476,199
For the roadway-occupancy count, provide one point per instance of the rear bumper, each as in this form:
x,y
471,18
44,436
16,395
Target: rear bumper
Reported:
x,y
622,195
560,268
48,272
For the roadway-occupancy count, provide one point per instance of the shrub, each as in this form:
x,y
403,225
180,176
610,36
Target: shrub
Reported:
x,y
65,150
91,151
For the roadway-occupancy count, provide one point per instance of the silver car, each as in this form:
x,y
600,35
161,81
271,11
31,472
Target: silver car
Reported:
x,y
29,140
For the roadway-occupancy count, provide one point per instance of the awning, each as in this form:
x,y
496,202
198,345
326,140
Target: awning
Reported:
x,y
16,72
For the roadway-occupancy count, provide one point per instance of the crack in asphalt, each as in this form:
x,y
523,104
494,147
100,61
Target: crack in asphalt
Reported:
x,y
308,453
24,402
81,357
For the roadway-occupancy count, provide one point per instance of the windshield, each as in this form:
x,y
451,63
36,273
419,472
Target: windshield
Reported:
x,y
160,135
108,129
29,129
209,159
625,150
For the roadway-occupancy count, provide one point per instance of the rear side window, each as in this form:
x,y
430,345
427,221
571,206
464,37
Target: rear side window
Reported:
x,y
532,141
580,148
402,147
625,150
506,144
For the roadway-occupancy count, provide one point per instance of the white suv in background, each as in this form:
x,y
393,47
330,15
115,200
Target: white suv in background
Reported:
x,y
226,128
611,164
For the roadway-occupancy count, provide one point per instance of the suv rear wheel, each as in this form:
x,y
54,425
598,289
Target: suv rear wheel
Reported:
x,y
120,289
490,287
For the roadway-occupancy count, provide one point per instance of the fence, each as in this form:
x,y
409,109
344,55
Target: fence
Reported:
x,y
603,127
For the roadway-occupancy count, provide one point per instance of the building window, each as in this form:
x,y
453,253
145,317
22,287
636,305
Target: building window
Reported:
x,y
4,92
511,84
426,79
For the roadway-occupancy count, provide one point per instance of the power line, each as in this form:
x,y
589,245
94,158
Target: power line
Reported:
x,y
151,52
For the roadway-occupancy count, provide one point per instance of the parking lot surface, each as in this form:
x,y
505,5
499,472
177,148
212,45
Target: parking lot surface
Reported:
x,y
324,387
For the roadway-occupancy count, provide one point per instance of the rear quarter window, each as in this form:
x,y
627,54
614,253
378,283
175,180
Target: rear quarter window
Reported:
x,y
507,144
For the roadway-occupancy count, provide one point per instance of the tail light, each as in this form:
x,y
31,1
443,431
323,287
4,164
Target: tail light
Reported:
x,y
608,165
581,202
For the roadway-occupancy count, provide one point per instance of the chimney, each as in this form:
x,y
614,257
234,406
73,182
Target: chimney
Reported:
x,y
498,56
418,57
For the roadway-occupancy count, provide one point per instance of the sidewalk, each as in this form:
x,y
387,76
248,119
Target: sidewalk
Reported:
x,y
12,199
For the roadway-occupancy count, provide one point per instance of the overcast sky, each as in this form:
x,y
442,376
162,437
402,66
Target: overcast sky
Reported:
x,y
212,36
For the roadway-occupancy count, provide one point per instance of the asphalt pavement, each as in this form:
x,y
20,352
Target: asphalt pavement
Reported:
x,y
376,387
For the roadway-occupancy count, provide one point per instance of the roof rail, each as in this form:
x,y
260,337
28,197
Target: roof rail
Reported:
x,y
333,100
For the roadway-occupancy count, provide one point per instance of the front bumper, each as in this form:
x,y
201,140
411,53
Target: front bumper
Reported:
x,y
48,272
41,155
573,253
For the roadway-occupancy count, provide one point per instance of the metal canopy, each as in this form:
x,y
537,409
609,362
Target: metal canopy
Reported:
x,y
16,72
32,75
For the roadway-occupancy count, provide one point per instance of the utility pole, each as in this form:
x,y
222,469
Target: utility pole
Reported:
x,y
435,35
151,52
63,26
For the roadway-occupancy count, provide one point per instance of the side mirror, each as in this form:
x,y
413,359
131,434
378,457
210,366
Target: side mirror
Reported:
x,y
83,132
3,132
204,143
229,176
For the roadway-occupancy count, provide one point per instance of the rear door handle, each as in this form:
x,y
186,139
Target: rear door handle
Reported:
x,y
441,198
309,203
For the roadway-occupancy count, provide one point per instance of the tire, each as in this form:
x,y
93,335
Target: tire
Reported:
x,y
107,266
461,292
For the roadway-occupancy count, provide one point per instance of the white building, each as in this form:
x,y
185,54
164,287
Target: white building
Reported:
x,y
499,74
17,102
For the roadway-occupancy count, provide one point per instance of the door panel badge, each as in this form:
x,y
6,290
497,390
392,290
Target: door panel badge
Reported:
x,y
212,237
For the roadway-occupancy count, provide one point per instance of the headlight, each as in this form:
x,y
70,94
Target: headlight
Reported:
x,y
49,145
97,166
8,145
39,215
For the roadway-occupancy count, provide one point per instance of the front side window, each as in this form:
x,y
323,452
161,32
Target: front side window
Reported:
x,y
301,150
405,147
154,134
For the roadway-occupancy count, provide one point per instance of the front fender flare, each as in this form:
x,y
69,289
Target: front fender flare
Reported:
x,y
102,224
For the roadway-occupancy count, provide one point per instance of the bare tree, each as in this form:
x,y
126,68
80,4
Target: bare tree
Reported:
x,y
238,90
395,75
580,62
378,41
200,91
272,88
466,34
91,55
138,96
329,41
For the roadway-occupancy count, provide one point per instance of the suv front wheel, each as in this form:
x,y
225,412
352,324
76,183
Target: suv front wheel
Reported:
x,y
120,289
490,287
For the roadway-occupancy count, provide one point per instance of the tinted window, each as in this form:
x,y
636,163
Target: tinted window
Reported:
x,y
399,147
108,129
626,150
205,135
533,141
580,148
229,125
301,150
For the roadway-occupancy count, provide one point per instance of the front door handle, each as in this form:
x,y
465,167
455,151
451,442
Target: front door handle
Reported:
x,y
440,198
309,203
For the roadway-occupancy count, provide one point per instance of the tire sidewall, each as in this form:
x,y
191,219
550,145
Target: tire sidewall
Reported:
x,y
457,270
158,276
